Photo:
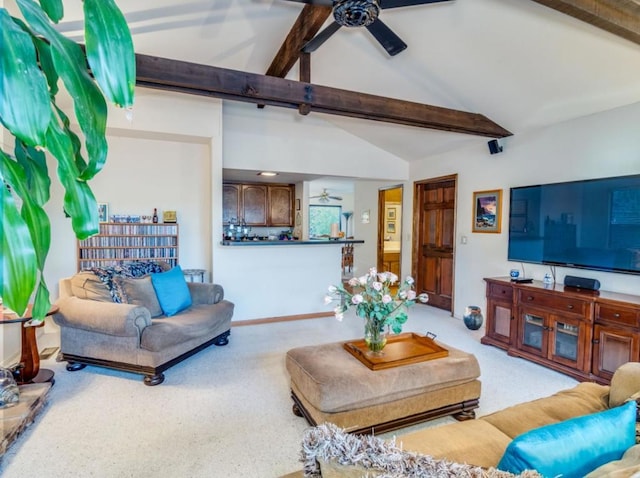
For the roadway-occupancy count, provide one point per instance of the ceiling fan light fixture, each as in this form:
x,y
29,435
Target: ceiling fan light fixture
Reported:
x,y
355,13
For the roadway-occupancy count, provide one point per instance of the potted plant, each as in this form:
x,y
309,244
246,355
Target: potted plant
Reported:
x,y
34,60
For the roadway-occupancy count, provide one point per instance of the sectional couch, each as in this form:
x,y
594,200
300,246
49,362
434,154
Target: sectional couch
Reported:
x,y
589,430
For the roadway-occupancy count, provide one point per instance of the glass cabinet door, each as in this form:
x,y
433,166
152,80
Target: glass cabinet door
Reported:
x,y
533,330
566,340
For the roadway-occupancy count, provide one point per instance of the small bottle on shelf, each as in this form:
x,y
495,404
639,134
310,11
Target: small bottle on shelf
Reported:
x,y
155,215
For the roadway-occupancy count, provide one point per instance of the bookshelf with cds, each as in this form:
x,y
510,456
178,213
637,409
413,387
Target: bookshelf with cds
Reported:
x,y
120,243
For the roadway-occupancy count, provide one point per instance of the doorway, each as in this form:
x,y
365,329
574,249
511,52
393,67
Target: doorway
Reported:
x,y
434,239
390,229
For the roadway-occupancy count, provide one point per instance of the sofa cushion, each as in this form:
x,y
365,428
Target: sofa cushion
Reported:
x,y
624,383
341,454
87,285
199,321
138,291
627,466
583,399
172,291
132,269
574,447
472,441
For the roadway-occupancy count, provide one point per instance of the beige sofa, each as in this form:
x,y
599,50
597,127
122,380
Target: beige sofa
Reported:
x,y
329,451
134,335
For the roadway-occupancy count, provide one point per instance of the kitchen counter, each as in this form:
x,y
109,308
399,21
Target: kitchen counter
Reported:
x,y
314,242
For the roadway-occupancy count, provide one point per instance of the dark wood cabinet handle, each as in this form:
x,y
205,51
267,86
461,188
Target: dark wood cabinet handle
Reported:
x,y
570,306
616,315
529,298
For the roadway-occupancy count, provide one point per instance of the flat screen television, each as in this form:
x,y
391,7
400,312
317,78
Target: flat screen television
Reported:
x,y
591,224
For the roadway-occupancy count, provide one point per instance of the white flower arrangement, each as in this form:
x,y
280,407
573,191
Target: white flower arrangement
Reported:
x,y
372,297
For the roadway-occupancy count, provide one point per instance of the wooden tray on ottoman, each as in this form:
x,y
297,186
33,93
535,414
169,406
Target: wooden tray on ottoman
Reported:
x,y
401,349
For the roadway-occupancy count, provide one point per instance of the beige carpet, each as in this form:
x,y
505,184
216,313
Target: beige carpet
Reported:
x,y
226,412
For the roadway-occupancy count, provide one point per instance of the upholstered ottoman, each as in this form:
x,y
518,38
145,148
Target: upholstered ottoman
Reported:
x,y
329,384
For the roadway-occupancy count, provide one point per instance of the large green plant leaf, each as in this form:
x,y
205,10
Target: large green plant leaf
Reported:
x,y
89,104
18,254
110,50
26,175
24,98
46,63
79,201
34,162
53,8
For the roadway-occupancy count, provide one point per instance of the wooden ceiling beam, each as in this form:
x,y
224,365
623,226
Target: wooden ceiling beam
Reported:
x,y
620,17
174,75
306,26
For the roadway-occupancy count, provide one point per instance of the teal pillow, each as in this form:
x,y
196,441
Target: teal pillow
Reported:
x,y
172,291
574,447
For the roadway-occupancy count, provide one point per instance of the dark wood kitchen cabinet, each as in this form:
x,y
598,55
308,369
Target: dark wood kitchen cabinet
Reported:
x,y
231,202
584,334
258,204
280,202
254,204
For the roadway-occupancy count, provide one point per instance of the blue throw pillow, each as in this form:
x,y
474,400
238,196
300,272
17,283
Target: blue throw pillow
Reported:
x,y
172,291
574,447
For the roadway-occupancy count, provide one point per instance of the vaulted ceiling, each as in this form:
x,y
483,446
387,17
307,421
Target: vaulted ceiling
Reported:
x,y
524,64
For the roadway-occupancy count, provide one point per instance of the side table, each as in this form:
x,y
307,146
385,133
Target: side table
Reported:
x,y
29,370
193,273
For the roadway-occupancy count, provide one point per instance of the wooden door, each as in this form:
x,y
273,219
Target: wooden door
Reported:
x,y
613,346
435,203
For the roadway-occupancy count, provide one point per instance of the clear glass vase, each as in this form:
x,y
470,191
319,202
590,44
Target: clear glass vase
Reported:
x,y
375,336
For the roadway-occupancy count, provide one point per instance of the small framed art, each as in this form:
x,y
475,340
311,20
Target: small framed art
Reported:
x,y
487,211
391,227
391,213
103,212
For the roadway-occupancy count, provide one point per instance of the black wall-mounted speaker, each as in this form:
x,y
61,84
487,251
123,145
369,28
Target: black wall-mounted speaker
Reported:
x,y
581,283
494,146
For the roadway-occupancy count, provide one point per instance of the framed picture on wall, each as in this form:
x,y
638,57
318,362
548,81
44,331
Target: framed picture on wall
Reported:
x,y
103,212
487,211
391,213
391,227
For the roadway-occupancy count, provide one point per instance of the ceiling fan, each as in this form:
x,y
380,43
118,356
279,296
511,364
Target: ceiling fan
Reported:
x,y
325,197
362,13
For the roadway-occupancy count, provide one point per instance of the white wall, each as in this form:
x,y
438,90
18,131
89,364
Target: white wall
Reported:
x,y
607,144
158,160
177,164
282,280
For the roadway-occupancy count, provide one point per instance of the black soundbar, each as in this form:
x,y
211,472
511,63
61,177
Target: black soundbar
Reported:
x,y
581,283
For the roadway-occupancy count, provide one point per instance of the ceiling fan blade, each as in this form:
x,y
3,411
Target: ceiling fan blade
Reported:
x,y
313,44
389,40
384,4
327,3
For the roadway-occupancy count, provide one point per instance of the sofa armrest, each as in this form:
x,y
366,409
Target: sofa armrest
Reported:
x,y
110,318
205,293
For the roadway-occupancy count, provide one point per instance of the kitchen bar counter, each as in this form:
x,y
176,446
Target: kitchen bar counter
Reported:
x,y
317,242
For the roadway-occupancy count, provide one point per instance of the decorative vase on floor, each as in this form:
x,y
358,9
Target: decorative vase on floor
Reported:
x,y
473,317
375,336
9,392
